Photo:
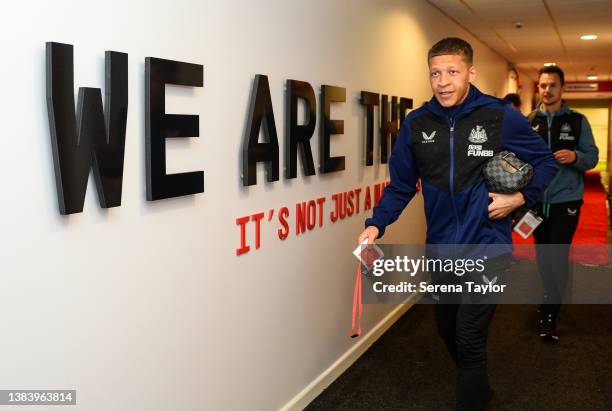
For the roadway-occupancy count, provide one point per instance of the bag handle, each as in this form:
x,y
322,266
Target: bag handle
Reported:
x,y
513,166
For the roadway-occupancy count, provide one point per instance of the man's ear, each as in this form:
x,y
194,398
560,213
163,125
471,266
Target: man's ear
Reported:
x,y
472,74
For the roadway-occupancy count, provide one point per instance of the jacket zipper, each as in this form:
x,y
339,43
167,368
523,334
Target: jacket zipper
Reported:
x,y
549,121
451,122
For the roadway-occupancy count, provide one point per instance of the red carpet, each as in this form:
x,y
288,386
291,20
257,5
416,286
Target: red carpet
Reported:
x,y
592,227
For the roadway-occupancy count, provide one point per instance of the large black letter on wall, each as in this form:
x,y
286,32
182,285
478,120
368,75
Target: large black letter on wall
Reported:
x,y
328,127
93,137
369,100
159,126
260,108
405,104
298,136
388,128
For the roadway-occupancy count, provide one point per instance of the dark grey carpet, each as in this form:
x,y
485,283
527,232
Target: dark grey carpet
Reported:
x,y
409,369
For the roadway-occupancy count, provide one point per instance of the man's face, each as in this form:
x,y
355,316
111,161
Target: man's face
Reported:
x,y
450,77
550,88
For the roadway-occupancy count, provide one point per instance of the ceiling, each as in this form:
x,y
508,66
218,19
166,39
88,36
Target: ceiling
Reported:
x,y
550,32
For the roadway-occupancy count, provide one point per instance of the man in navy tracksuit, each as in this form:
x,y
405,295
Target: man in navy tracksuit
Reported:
x,y
446,143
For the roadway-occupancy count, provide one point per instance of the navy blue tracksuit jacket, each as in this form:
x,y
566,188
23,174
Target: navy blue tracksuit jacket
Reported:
x,y
447,149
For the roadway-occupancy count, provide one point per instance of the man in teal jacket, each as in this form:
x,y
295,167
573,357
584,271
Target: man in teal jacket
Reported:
x,y
568,135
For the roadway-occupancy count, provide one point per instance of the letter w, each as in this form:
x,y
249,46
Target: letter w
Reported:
x,y
91,138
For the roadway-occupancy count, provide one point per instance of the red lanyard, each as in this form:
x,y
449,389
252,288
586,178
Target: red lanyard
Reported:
x,y
357,305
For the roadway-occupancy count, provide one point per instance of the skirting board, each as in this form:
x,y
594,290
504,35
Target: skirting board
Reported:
x,y
316,387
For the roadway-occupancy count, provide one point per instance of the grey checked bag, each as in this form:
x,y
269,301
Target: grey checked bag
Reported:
x,y
505,173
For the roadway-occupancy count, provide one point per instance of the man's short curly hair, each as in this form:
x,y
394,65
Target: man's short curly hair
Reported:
x,y
553,69
452,45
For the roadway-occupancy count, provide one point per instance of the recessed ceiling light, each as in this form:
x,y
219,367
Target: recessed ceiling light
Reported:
x,y
588,37
549,64
592,77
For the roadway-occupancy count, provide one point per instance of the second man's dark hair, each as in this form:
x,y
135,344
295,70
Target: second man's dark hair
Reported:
x,y
553,70
452,45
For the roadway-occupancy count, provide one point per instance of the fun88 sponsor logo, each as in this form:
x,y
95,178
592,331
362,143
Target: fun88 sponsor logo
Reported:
x,y
475,150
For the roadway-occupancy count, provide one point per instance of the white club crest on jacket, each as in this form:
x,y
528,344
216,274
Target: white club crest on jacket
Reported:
x,y
566,128
478,135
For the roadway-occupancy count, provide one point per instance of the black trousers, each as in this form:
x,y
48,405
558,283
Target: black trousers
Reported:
x,y
558,228
464,329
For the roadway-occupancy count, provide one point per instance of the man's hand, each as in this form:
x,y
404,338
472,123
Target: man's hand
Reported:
x,y
371,233
504,204
565,156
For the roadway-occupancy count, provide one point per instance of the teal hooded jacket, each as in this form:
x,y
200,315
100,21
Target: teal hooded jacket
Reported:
x,y
568,182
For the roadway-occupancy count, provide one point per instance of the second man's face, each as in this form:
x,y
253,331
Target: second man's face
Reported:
x,y
450,77
550,88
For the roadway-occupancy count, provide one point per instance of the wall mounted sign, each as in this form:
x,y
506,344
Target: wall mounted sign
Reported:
x,y
581,87
93,136
90,136
309,215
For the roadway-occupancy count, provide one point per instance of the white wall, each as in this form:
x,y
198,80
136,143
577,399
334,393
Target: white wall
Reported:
x,y
526,93
146,306
598,119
